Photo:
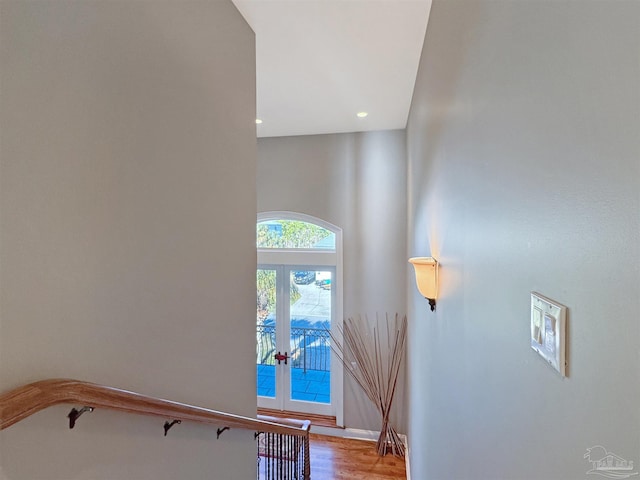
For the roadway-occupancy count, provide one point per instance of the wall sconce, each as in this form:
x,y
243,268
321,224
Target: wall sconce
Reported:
x,y
426,278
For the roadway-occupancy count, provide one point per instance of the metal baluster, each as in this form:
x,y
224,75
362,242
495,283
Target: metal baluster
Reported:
x,y
294,457
279,456
257,438
299,458
289,459
304,354
284,458
267,449
307,459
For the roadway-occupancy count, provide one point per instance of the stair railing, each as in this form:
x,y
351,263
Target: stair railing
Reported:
x,y
285,440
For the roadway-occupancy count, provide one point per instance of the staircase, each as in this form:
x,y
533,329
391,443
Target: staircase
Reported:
x,y
283,444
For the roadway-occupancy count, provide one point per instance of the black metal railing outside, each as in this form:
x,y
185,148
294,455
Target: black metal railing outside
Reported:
x,y
310,347
265,344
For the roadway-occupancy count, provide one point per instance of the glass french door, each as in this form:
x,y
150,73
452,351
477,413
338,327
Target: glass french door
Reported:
x,y
295,305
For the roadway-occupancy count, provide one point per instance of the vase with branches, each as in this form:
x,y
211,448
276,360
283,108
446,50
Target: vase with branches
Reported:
x,y
374,363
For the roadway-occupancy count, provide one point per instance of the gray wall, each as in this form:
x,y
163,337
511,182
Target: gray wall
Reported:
x,y
357,182
128,257
524,152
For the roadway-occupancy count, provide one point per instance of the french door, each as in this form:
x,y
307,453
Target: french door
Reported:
x,y
296,305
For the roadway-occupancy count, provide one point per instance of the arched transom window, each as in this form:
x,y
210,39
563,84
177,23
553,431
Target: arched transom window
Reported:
x,y
294,234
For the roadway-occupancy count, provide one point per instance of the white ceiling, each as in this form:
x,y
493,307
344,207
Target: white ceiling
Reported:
x,y
319,62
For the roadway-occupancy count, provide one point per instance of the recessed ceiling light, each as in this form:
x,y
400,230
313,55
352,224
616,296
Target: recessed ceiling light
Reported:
x,y
258,121
362,114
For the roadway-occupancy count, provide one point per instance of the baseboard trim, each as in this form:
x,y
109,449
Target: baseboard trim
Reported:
x,y
354,433
407,462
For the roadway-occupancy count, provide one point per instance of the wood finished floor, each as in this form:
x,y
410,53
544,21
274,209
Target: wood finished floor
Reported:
x,y
334,458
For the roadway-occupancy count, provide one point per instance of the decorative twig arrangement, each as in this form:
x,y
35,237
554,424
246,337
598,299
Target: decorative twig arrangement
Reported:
x,y
376,368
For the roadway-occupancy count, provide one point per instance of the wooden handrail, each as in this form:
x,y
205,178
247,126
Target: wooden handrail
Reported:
x,y
24,401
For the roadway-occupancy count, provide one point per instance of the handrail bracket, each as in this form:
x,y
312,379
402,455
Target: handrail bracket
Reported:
x,y
75,414
168,425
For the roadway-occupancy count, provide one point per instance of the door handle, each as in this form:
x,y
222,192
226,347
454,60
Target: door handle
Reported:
x,y
278,356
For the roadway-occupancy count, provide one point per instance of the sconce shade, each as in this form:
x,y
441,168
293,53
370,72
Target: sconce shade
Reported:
x,y
426,269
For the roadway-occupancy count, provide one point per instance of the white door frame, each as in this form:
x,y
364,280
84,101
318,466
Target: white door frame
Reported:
x,y
283,379
319,259
275,403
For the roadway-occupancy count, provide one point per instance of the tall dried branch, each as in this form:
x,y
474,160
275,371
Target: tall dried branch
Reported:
x,y
375,368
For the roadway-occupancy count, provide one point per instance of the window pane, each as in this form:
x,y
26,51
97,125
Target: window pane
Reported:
x,y
266,333
294,234
310,340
